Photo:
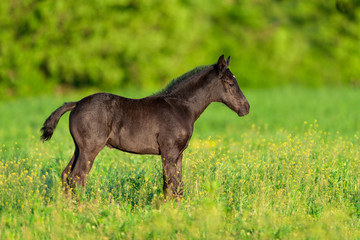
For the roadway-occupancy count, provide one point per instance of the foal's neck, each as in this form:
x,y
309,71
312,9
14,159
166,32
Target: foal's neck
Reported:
x,y
197,97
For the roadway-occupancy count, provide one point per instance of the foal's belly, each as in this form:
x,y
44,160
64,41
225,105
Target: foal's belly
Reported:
x,y
136,139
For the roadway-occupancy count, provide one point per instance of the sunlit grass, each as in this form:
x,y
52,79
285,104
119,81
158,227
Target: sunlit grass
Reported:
x,y
266,183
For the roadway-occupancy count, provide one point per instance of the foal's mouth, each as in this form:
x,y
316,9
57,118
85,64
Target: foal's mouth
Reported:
x,y
241,114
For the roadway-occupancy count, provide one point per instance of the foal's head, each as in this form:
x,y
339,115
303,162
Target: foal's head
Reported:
x,y
229,91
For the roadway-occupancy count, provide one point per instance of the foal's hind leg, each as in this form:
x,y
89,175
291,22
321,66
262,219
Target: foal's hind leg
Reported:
x,y
65,174
89,124
83,166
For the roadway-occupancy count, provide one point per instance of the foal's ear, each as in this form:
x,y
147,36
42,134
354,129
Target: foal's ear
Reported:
x,y
222,65
228,61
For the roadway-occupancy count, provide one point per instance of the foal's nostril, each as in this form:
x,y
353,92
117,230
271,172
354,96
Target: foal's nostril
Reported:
x,y
247,106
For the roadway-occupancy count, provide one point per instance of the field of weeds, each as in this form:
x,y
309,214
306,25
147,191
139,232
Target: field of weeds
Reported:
x,y
289,170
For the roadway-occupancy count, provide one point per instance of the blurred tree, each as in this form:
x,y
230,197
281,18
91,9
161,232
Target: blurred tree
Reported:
x,y
120,43
348,7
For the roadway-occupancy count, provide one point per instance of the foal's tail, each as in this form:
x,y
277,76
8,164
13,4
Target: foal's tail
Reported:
x,y
51,122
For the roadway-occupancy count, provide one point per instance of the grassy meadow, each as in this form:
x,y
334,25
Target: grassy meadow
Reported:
x,y
289,170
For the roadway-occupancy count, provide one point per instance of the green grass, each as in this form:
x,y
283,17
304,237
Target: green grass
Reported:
x,y
288,170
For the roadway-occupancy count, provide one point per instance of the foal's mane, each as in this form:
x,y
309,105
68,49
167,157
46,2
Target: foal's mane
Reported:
x,y
180,81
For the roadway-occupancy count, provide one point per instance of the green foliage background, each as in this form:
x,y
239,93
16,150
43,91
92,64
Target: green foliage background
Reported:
x,y
110,44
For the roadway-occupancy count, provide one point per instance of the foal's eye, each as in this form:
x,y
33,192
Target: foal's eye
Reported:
x,y
231,84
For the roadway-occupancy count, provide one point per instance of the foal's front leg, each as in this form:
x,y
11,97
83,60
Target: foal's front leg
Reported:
x,y
172,176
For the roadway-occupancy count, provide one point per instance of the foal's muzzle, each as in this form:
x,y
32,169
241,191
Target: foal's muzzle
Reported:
x,y
244,109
